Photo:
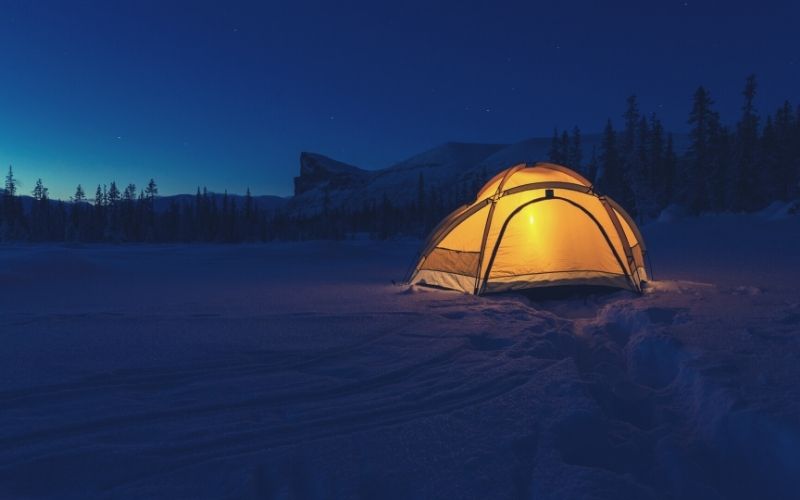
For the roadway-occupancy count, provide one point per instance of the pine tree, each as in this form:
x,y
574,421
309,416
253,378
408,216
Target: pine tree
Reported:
x,y
80,195
127,215
631,117
10,184
669,172
149,210
222,228
233,226
609,176
575,154
611,181
639,174
705,127
151,191
786,154
655,162
99,217
769,161
112,201
563,149
129,194
249,216
554,154
113,195
591,168
746,192
75,230
11,212
40,216
39,191
629,160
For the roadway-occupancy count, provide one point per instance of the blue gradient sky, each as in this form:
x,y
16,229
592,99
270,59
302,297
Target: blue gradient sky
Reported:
x,y
226,95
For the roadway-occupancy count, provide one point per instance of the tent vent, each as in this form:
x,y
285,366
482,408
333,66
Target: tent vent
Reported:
x,y
548,193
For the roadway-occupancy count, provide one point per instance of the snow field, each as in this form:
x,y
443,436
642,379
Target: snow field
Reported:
x,y
297,371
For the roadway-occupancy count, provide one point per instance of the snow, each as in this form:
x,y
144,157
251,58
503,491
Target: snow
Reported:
x,y
297,370
441,167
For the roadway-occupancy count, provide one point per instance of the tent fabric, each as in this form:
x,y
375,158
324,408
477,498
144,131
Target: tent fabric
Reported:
x,y
533,226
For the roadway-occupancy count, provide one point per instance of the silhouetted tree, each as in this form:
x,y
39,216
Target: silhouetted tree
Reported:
x,y
611,181
40,212
591,168
746,190
12,213
705,127
575,153
563,148
554,154
76,230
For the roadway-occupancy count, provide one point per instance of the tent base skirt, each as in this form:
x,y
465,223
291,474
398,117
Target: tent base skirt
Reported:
x,y
466,284
583,278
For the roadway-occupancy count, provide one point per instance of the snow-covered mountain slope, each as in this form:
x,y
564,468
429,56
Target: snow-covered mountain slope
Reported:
x,y
453,169
317,170
440,166
296,370
532,151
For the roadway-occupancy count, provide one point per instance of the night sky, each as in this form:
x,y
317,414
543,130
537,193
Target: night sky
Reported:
x,y
227,97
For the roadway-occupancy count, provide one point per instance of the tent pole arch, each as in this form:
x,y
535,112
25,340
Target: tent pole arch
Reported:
x,y
624,239
580,207
465,211
448,224
488,224
628,219
475,279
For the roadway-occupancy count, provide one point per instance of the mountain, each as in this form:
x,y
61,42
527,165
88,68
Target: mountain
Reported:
x,y
318,170
324,180
453,170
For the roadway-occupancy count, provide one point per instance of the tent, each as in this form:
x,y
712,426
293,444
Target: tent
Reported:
x,y
534,226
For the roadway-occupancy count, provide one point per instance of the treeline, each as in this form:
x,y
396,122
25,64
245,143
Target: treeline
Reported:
x,y
123,216
738,168
119,216
380,218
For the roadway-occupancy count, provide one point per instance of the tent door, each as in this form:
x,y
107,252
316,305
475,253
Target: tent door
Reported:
x,y
536,239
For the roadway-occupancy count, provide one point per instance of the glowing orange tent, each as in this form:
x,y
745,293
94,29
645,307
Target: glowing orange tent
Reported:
x,y
534,226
